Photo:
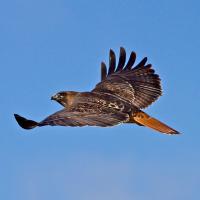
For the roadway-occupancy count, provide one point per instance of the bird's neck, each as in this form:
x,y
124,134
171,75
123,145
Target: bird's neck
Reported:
x,y
70,98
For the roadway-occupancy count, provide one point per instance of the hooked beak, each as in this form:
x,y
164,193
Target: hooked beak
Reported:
x,y
54,97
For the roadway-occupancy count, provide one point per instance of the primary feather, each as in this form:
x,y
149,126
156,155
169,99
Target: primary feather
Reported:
x,y
138,85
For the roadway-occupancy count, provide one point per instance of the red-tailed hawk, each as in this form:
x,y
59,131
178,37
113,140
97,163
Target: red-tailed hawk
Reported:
x,y
123,91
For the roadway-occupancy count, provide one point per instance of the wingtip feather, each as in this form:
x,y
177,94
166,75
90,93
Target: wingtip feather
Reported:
x,y
103,71
112,62
25,123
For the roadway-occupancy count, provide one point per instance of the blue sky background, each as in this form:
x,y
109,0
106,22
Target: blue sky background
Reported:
x,y
48,46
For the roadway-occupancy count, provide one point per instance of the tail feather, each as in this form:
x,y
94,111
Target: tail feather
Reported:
x,y
25,123
143,119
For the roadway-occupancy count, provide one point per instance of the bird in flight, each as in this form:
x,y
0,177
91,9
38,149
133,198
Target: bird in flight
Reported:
x,y
119,98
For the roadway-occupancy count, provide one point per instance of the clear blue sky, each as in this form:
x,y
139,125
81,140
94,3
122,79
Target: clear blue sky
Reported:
x,y
47,46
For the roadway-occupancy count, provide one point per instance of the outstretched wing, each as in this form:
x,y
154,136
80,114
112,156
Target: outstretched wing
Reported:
x,y
138,85
76,118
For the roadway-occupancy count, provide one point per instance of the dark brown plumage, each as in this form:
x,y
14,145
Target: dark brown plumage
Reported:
x,y
123,91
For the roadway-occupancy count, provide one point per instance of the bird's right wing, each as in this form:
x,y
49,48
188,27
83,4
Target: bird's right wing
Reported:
x,y
138,85
76,118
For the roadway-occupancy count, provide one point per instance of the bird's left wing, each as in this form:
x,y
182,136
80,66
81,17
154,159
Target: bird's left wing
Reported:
x,y
76,118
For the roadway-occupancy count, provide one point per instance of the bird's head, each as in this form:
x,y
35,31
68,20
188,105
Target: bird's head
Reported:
x,y
65,98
